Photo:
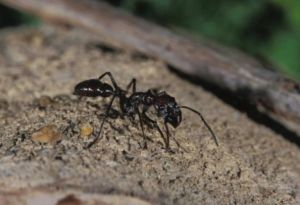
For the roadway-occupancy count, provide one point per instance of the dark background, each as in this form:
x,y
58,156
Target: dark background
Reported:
x,y
267,29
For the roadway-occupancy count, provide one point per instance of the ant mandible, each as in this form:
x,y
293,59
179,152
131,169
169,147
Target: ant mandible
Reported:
x,y
138,103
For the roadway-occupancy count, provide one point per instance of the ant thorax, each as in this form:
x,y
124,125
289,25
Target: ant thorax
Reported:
x,y
129,105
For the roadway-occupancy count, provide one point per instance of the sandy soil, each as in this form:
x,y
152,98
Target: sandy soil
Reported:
x,y
252,165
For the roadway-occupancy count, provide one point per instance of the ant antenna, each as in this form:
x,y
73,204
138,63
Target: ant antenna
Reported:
x,y
202,118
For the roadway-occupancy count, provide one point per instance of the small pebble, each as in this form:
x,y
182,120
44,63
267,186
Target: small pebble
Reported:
x,y
37,40
3,104
69,200
43,102
47,134
86,129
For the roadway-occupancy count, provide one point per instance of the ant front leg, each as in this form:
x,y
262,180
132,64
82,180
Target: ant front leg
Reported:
x,y
154,124
169,135
111,78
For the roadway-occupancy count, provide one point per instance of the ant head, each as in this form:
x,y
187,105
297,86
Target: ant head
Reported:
x,y
174,115
93,88
168,108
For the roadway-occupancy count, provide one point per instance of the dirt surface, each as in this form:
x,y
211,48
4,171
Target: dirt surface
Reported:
x,y
38,71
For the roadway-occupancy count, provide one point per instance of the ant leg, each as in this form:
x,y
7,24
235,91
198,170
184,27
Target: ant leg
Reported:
x,y
111,78
154,124
168,135
161,134
133,84
105,117
142,126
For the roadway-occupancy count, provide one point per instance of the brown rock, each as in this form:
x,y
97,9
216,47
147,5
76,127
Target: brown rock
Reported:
x,y
43,102
86,129
69,200
47,134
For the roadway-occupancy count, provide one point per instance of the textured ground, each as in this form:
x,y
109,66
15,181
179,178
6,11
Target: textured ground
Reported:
x,y
252,165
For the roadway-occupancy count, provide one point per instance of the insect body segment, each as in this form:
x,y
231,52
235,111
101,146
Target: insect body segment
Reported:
x,y
93,88
167,107
137,104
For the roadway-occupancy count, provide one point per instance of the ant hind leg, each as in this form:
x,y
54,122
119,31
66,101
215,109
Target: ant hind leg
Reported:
x,y
98,136
111,78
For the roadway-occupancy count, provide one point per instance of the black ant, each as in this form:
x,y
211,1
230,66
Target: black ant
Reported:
x,y
138,103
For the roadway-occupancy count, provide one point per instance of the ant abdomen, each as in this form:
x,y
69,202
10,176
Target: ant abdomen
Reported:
x,y
93,88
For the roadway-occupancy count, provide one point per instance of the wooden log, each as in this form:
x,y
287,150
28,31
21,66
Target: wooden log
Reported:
x,y
225,68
